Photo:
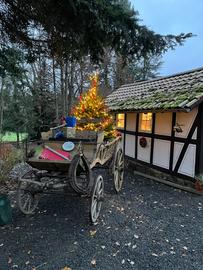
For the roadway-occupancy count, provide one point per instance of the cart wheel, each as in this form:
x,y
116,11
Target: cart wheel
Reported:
x,y
27,197
97,198
118,170
80,174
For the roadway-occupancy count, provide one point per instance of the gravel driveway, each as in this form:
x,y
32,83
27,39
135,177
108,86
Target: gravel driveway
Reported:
x,y
147,226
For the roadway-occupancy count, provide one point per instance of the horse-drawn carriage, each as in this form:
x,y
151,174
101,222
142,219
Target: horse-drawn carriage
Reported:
x,y
71,173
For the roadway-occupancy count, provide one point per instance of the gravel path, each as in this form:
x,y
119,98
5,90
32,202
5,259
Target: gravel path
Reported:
x,y
147,226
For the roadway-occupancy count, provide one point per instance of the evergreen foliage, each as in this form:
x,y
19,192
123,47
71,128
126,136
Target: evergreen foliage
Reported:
x,y
92,113
77,28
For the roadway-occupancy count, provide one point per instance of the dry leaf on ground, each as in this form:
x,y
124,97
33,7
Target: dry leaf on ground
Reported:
x,y
66,268
93,233
93,262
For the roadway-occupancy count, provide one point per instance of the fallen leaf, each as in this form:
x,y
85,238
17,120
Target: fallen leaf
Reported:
x,y
103,247
163,253
123,261
66,268
93,262
9,260
136,236
93,233
115,254
27,263
154,254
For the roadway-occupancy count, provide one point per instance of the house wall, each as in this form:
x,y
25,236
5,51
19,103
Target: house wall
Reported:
x,y
176,153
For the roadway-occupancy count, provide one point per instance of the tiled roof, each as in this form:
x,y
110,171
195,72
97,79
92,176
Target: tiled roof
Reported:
x,y
181,91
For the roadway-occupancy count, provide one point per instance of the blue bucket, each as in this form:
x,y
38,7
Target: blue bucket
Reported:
x,y
70,121
5,210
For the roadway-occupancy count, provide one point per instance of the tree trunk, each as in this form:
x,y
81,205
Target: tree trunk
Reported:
x,y
55,90
1,108
82,67
66,87
71,89
62,87
18,138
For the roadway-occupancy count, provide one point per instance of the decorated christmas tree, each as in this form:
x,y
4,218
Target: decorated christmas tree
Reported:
x,y
92,113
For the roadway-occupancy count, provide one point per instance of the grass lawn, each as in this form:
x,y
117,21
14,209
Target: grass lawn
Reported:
x,y
11,137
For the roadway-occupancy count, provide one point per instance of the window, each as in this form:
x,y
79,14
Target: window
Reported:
x,y
146,122
120,120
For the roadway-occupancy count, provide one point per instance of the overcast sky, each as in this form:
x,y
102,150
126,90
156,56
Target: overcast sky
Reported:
x,y
174,17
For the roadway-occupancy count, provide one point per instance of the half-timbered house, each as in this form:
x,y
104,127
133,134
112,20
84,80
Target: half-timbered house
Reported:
x,y
161,121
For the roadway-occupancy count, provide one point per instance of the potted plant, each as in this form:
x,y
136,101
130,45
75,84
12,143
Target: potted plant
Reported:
x,y
199,183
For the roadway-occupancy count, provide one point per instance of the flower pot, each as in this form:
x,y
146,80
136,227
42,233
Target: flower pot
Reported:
x,y
199,186
5,210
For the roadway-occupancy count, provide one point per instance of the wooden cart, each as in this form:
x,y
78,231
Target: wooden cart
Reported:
x,y
72,175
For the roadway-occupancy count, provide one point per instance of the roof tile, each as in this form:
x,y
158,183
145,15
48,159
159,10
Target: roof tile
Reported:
x,y
179,91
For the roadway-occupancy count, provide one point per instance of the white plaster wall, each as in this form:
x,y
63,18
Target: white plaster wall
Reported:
x,y
185,120
187,166
131,121
177,149
163,123
130,145
122,141
144,153
161,156
194,136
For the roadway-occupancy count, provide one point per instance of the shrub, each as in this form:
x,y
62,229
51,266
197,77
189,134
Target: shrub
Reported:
x,y
9,157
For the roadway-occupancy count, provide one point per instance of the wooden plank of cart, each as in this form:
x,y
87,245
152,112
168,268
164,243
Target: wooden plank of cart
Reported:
x,y
74,174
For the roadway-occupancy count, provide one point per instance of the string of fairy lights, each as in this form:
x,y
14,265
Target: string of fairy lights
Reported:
x,y
91,106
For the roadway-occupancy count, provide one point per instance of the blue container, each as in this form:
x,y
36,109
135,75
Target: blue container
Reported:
x,y
59,134
5,210
70,121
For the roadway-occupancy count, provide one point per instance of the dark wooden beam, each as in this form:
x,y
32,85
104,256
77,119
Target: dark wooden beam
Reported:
x,y
152,138
186,144
199,149
136,131
160,137
124,139
172,141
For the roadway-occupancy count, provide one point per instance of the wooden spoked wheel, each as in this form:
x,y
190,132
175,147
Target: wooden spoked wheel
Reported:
x,y
27,197
80,174
97,198
118,170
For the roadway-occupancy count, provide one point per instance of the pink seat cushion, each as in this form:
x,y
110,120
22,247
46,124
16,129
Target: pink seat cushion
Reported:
x,y
48,155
